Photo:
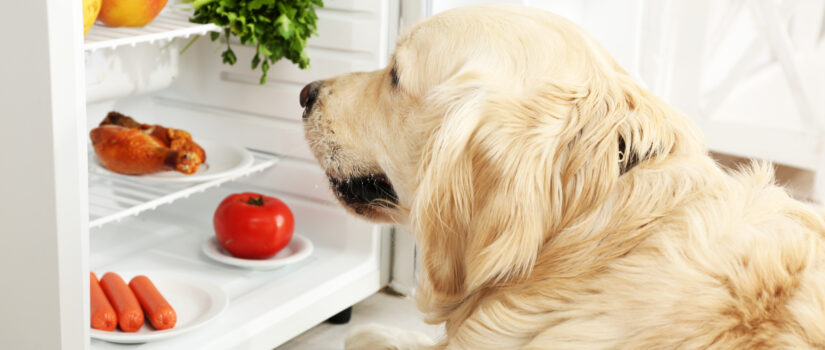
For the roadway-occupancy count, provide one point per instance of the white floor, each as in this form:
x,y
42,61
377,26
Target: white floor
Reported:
x,y
380,308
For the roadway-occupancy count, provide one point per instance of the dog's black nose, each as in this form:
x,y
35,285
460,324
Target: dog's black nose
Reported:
x,y
309,94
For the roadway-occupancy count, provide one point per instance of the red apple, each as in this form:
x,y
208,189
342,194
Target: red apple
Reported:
x,y
129,13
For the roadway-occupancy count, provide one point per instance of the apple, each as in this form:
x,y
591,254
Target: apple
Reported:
x,y
129,13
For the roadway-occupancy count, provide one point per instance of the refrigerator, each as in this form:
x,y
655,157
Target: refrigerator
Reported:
x,y
63,216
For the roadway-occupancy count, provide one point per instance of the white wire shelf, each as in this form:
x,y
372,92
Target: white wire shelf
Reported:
x,y
168,25
113,197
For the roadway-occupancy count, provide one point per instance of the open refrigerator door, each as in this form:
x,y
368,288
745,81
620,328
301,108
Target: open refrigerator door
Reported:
x,y
159,226
195,91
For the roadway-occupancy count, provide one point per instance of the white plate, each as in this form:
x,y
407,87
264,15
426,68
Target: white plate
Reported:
x,y
195,302
221,160
299,248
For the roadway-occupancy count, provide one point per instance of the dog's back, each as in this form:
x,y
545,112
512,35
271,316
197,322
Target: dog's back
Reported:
x,y
737,265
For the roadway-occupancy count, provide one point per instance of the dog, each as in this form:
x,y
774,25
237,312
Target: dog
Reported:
x,y
556,203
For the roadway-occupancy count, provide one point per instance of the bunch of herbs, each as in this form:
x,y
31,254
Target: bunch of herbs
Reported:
x,y
276,28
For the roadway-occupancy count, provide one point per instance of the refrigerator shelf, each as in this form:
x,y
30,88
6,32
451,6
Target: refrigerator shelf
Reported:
x,y
168,25
266,308
113,197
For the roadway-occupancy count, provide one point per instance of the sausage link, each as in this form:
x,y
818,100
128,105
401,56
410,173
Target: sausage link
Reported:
x,y
129,314
103,315
155,306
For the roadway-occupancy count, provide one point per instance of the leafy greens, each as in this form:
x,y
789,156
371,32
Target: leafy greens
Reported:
x,y
277,28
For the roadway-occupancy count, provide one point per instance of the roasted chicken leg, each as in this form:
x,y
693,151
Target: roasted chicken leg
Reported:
x,y
128,147
175,139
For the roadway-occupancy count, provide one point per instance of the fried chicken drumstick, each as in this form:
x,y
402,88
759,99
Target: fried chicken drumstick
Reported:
x,y
125,146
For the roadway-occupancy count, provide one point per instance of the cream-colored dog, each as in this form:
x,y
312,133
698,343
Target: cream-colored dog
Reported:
x,y
557,204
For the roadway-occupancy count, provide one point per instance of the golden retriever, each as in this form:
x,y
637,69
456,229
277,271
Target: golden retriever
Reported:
x,y
557,204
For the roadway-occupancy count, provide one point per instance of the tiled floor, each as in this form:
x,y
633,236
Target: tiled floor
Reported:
x,y
380,308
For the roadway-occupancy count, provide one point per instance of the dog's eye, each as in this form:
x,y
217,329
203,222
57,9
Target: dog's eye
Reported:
x,y
394,77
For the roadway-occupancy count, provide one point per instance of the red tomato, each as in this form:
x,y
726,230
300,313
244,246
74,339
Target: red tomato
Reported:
x,y
253,226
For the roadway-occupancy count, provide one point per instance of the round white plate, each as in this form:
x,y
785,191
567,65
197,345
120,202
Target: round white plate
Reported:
x,y
195,302
299,248
221,160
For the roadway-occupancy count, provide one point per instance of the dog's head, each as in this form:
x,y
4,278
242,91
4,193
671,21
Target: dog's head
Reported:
x,y
491,130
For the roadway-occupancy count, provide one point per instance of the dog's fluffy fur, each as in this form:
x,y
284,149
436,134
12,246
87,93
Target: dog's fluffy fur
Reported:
x,y
557,204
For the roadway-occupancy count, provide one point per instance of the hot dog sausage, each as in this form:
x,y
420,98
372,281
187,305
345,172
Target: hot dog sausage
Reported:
x,y
157,309
103,315
129,314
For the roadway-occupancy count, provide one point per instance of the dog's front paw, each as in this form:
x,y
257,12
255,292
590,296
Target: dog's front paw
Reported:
x,y
378,337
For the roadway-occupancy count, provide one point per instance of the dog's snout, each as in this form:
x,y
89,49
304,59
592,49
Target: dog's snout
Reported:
x,y
309,94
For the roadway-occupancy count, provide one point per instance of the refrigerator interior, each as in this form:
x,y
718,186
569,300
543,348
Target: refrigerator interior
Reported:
x,y
145,227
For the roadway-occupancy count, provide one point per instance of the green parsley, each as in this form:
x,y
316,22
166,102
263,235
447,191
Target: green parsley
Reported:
x,y
277,28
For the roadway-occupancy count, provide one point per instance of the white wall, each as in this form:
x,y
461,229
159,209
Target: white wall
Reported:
x,y
750,73
612,22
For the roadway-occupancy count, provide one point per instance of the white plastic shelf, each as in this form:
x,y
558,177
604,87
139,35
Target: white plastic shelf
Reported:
x,y
266,308
169,24
113,197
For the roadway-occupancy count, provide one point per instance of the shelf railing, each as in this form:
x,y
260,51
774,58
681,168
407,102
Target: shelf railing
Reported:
x,y
113,197
168,25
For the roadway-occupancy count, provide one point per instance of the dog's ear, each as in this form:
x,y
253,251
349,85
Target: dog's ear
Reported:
x,y
482,206
442,208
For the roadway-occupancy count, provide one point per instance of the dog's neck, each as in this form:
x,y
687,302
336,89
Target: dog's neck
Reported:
x,y
584,250
632,158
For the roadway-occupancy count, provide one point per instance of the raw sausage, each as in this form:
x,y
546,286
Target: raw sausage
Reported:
x,y
155,306
103,315
129,315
